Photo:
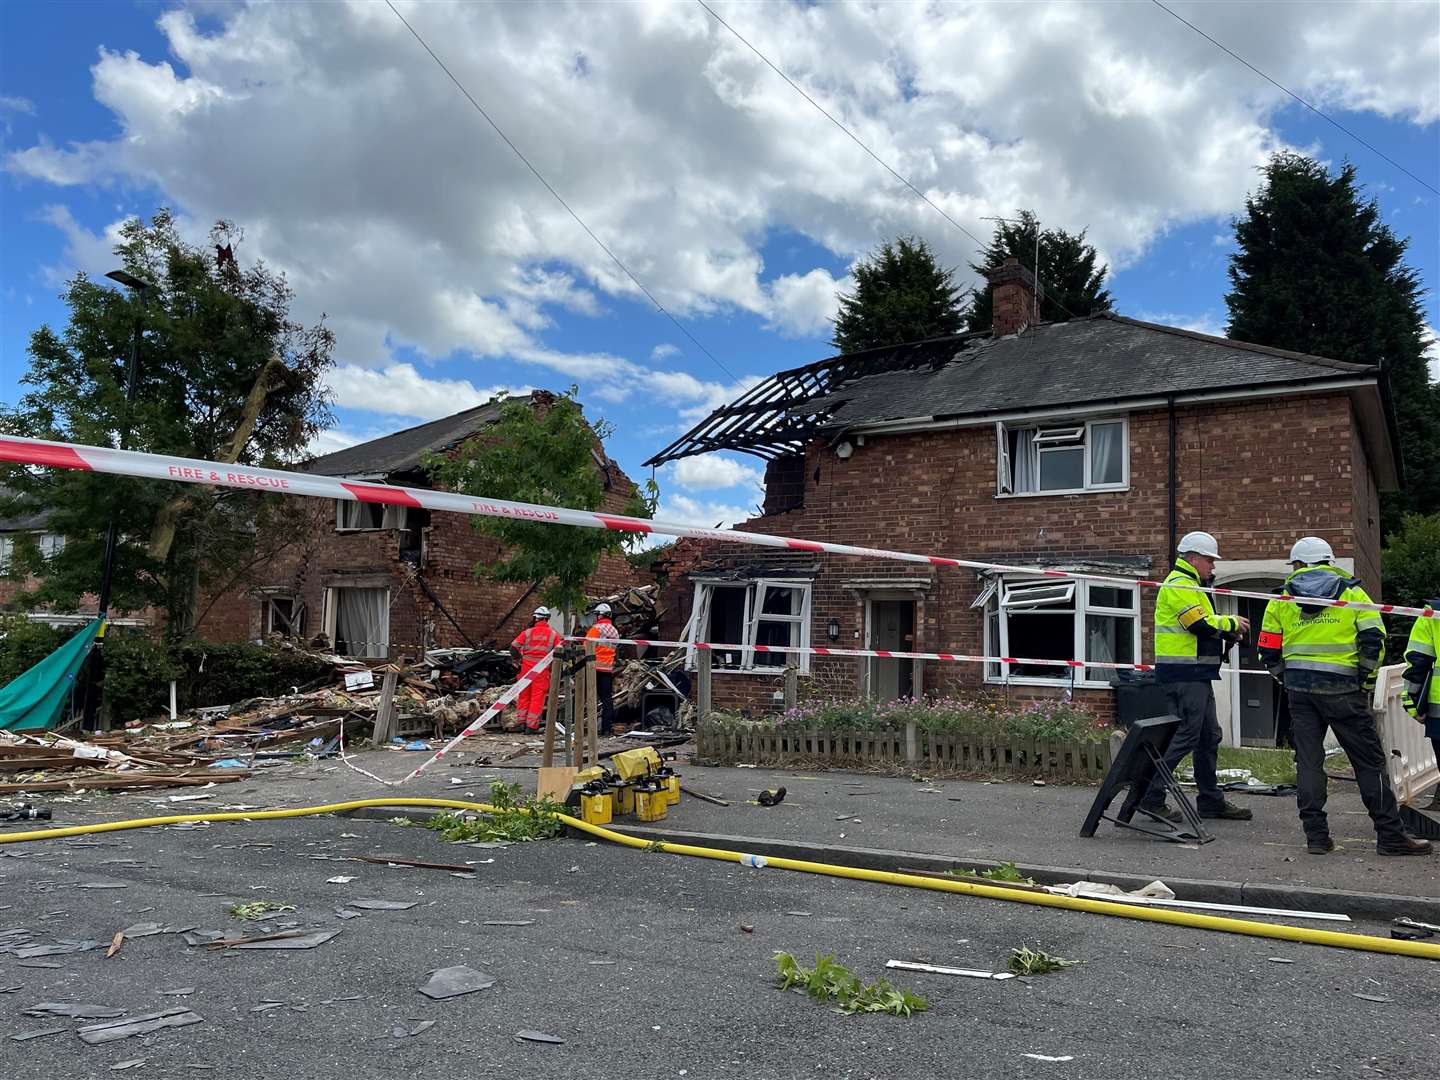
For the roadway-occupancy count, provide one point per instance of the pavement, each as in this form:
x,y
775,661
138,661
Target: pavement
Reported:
x,y
640,963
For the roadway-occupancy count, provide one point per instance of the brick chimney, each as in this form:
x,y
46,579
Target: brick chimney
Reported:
x,y
1013,291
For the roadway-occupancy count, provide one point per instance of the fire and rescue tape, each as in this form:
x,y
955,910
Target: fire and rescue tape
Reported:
x,y
59,455
894,654
1192,920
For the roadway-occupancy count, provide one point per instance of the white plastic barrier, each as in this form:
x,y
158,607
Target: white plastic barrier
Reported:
x,y
1409,755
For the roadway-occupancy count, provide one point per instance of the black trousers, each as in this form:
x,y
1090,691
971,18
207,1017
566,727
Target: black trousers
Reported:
x,y
1198,734
605,691
1348,715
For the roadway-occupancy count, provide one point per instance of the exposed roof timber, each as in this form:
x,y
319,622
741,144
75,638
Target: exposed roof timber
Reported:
x,y
771,419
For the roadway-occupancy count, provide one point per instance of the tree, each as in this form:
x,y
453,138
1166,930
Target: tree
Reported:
x,y
1073,284
544,454
1318,271
901,294
224,373
1411,561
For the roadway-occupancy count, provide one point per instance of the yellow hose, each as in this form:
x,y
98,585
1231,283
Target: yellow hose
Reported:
x,y
1192,920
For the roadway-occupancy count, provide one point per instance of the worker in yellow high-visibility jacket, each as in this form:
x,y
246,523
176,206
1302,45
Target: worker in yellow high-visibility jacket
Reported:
x,y
1328,658
1190,641
1422,684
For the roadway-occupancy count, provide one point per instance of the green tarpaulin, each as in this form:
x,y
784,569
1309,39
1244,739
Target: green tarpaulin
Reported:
x,y
36,699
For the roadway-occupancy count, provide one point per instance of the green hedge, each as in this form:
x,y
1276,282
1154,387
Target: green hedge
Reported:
x,y
138,670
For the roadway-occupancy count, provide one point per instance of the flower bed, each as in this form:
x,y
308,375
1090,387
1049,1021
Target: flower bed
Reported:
x,y
982,736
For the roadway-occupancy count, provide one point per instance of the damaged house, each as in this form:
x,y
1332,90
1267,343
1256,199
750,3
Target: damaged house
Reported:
x,y
1091,444
376,580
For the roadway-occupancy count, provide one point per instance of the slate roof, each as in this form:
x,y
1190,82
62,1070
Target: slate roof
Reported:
x,y
32,521
1101,358
402,451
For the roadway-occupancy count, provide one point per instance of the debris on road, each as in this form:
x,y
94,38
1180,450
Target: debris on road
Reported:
x,y
1047,1057
396,860
771,798
1028,961
40,1033
537,1037
258,910
832,981
398,1032
115,943
74,1012
99,1034
932,969
453,981
382,905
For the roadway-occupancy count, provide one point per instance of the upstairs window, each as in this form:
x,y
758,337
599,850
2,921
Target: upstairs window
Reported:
x,y
369,517
1068,456
744,614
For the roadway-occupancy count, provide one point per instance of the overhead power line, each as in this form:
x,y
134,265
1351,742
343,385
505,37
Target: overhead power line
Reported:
x,y
980,245
558,197
1323,115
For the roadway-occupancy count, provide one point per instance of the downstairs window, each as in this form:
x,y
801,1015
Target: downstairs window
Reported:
x,y
1042,619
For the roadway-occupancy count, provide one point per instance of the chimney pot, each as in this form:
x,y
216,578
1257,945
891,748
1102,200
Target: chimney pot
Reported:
x,y
1013,293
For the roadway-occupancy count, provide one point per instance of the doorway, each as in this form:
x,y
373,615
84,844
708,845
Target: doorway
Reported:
x,y
1253,699
890,626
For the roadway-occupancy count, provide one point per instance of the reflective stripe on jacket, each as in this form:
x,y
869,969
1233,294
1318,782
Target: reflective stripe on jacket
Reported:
x,y
1189,641
603,630
535,642
1420,681
1321,649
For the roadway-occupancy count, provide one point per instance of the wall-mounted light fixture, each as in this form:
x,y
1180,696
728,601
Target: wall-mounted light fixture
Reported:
x,y
832,629
844,450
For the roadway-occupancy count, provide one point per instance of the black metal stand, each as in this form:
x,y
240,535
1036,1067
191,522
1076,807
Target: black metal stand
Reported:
x,y
1141,758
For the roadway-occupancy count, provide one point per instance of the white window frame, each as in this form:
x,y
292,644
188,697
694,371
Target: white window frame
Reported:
x,y
7,553
332,612
50,544
267,618
752,617
1052,436
1074,601
392,517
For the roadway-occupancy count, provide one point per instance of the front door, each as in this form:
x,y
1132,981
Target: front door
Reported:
x,y
1247,694
891,627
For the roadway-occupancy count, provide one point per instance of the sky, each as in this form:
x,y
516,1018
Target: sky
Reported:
x,y
448,272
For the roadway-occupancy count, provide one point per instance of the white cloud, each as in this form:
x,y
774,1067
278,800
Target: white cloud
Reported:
x,y
1432,352
327,442
683,510
400,390
357,168
91,252
711,472
10,103
663,351
1206,322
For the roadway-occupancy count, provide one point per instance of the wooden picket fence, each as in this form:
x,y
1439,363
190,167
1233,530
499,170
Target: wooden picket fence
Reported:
x,y
988,755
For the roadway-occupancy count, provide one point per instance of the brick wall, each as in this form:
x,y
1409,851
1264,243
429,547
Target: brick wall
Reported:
x,y
321,557
1258,474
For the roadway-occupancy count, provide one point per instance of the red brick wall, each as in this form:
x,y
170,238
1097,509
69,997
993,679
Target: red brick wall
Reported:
x,y
1258,474
323,557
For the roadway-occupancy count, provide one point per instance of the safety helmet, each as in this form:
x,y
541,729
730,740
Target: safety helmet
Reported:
x,y
542,612
1199,543
1311,549
602,609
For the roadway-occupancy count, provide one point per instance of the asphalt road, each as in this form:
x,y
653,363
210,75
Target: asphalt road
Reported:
x,y
638,962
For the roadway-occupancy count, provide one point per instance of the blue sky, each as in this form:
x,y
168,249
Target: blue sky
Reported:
x,y
447,271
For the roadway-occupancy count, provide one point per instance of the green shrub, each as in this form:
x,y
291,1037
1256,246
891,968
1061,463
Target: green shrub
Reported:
x,y
218,674
983,714
23,644
137,677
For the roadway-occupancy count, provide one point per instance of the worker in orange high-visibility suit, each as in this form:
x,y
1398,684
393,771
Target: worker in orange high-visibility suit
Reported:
x,y
602,633
533,645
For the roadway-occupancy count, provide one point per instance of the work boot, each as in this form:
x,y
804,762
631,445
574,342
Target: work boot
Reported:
x,y
1322,845
1165,811
1409,845
1228,812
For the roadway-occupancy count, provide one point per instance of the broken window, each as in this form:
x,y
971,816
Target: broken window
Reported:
x,y
1035,619
1089,455
363,516
284,615
357,620
745,614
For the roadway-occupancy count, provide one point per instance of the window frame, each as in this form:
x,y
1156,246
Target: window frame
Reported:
x,y
331,619
296,619
1059,438
393,517
1078,607
752,616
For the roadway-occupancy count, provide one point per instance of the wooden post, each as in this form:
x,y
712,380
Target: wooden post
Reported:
x,y
862,676
385,714
552,705
792,686
703,698
575,740
912,746
592,718
917,679
571,691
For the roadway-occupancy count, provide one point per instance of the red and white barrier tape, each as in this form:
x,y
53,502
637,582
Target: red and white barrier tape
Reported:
x,y
892,654
484,718
193,471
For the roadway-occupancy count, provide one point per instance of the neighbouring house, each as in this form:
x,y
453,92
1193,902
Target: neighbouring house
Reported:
x,y
1091,444
376,580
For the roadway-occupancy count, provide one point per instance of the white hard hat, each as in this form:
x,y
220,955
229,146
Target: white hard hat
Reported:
x,y
542,612
1199,543
602,609
1311,549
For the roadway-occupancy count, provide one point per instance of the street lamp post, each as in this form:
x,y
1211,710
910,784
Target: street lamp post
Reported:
x,y
112,537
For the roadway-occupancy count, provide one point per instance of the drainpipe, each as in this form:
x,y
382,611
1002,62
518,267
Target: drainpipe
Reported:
x,y
1170,409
